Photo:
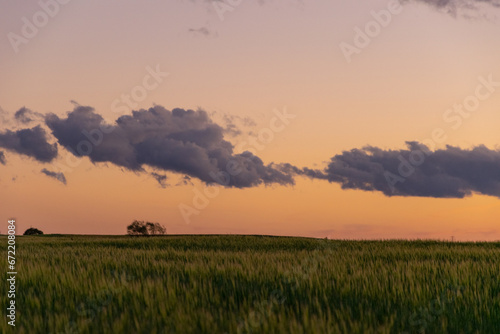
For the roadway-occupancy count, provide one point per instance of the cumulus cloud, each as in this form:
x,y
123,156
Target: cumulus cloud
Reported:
x,y
25,115
416,171
58,176
31,142
2,158
183,141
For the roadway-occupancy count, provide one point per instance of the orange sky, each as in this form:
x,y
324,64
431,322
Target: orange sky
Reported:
x,y
260,58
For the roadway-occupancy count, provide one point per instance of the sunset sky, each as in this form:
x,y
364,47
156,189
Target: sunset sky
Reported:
x,y
237,67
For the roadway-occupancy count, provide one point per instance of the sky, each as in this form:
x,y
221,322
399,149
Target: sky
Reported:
x,y
356,120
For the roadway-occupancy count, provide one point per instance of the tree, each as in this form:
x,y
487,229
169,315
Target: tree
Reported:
x,y
32,231
145,228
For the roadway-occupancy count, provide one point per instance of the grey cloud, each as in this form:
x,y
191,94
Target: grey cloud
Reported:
x,y
4,117
3,161
25,115
185,181
161,179
446,173
183,141
31,142
58,176
234,124
203,31
465,8
312,173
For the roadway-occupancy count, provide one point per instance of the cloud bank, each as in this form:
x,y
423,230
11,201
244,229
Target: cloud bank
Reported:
x,y
190,143
183,141
416,171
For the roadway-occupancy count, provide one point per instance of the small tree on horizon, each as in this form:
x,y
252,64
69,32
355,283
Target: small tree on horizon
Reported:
x,y
139,227
33,231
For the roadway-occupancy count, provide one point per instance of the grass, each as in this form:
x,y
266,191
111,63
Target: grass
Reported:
x,y
253,284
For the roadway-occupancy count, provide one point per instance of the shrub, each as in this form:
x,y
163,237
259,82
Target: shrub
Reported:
x,y
32,231
145,228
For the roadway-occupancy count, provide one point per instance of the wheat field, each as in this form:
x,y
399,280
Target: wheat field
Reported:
x,y
253,284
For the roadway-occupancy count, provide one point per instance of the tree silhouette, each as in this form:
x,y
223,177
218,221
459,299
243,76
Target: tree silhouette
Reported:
x,y
32,231
145,228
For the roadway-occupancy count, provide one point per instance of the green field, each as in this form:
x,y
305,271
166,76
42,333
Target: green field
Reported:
x,y
253,284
